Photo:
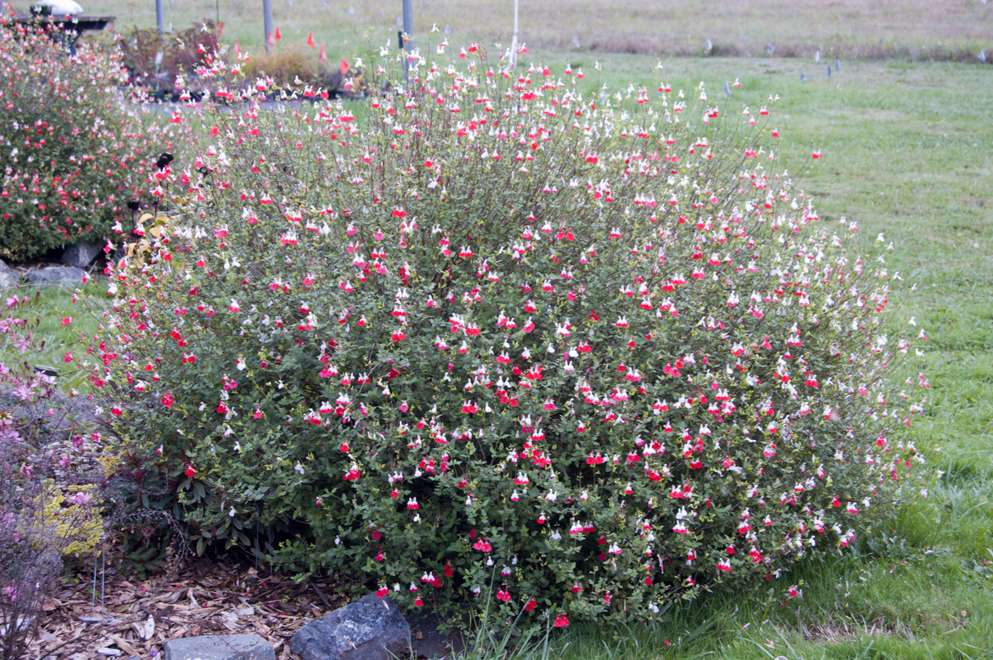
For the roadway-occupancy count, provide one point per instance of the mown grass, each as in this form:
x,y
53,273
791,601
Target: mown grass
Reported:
x,y
46,311
923,29
907,154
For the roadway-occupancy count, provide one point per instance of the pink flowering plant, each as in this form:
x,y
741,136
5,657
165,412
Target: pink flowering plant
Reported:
x,y
74,152
490,329
48,511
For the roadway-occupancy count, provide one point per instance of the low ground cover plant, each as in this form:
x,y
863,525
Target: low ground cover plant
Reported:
x,y
49,505
592,351
74,153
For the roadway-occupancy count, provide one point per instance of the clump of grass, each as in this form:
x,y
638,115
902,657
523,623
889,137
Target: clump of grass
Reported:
x,y
284,66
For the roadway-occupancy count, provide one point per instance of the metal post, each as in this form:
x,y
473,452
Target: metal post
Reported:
x,y
408,31
267,22
159,17
513,41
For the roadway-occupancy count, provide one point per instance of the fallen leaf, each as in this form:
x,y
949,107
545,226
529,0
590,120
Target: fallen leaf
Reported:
x,y
125,645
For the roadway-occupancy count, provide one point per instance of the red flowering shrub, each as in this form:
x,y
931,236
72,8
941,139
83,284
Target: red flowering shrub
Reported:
x,y
588,349
73,154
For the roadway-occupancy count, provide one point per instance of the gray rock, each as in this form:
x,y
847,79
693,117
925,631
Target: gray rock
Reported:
x,y
371,628
8,277
55,275
81,254
53,413
219,647
8,281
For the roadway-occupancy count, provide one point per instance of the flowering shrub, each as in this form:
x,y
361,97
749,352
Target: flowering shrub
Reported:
x,y
73,155
159,62
47,511
29,551
495,330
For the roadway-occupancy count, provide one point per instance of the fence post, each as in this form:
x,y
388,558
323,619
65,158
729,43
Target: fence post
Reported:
x,y
267,22
408,30
513,41
159,17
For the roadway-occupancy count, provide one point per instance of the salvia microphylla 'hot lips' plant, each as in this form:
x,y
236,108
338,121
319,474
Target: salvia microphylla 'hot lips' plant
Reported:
x,y
73,153
490,330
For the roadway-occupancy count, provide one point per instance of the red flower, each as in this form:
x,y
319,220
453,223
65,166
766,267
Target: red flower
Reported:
x,y
190,471
561,621
530,605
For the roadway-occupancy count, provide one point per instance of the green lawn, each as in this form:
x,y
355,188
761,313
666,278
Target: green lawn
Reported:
x,y
922,28
47,312
908,154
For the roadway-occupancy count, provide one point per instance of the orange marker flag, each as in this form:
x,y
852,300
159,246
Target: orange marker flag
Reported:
x,y
277,35
310,40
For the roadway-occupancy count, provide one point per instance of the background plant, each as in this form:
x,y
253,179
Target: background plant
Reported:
x,y
158,62
590,341
74,152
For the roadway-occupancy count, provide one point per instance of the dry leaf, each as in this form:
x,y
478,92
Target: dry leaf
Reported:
x,y
125,645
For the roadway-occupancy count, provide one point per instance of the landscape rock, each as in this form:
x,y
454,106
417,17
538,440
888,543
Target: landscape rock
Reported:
x,y
55,414
371,628
81,254
55,275
8,276
219,647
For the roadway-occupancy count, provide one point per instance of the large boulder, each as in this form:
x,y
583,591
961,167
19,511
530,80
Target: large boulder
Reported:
x,y
371,628
55,276
8,277
219,647
80,255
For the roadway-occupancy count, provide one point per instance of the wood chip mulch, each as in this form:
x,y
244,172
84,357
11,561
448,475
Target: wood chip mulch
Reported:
x,y
205,598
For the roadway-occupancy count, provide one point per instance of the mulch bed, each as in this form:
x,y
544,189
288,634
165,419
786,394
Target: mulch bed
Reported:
x,y
206,598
